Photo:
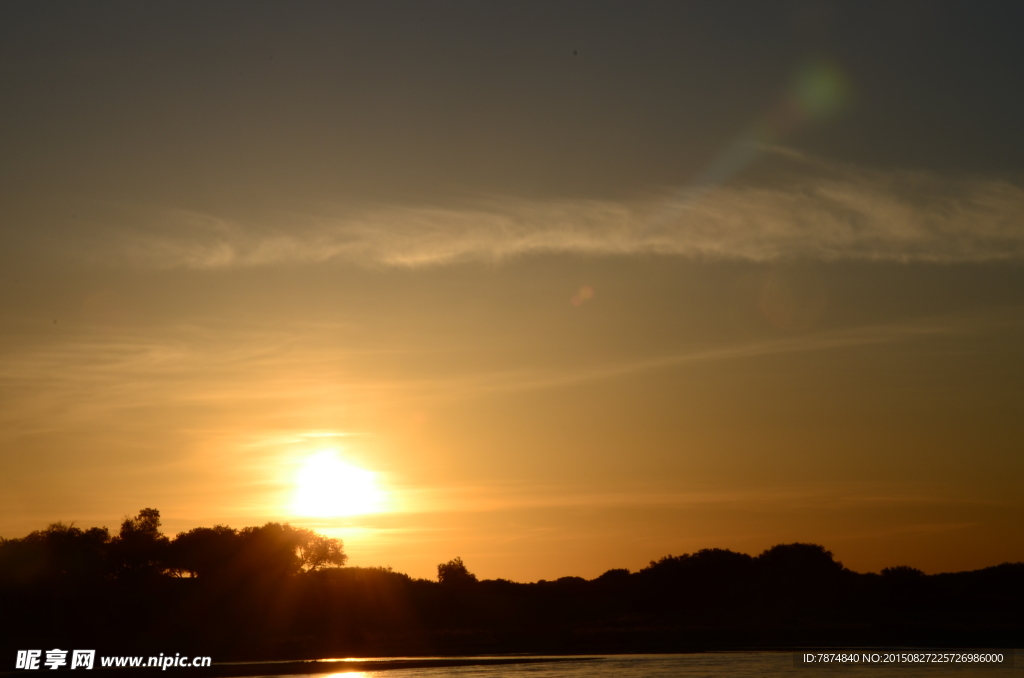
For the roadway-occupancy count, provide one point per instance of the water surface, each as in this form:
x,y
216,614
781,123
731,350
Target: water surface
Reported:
x,y
707,665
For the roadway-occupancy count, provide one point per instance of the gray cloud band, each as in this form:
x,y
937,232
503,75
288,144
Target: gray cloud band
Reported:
x,y
822,212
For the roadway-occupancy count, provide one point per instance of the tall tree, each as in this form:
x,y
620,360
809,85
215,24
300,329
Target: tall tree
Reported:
x,y
140,548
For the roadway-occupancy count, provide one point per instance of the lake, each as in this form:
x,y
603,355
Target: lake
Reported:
x,y
706,665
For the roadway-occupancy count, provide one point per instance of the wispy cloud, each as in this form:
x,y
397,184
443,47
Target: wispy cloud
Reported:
x,y
834,496
801,208
188,367
471,385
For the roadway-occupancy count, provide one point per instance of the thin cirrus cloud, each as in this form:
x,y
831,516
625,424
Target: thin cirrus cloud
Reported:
x,y
101,376
811,210
795,496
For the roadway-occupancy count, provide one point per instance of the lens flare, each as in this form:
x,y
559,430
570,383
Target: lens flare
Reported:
x,y
585,294
818,90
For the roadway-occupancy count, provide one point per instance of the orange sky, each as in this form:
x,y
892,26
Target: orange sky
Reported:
x,y
571,312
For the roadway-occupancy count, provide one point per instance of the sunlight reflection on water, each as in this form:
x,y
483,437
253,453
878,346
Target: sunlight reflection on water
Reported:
x,y
709,665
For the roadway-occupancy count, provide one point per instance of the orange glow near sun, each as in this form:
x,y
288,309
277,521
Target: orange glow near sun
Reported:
x,y
326,486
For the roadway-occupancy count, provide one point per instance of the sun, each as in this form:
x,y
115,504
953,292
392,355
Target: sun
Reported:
x,y
326,486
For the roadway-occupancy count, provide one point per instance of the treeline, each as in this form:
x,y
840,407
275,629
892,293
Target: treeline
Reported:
x,y
65,554
281,592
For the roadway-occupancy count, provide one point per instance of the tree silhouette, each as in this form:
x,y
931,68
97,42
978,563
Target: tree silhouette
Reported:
x,y
59,553
203,551
320,552
800,561
271,552
275,590
903,572
140,549
454,572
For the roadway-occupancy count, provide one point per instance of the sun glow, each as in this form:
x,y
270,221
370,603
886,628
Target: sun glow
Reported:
x,y
326,486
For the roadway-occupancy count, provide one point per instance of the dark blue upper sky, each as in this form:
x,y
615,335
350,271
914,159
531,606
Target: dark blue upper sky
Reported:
x,y
402,100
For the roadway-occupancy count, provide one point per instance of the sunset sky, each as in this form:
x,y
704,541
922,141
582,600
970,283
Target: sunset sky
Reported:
x,y
553,287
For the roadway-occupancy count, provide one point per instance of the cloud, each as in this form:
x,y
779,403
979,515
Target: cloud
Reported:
x,y
797,496
799,208
95,376
474,385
